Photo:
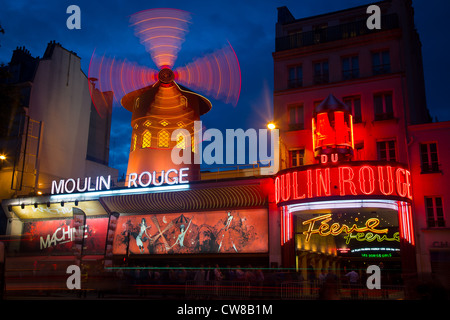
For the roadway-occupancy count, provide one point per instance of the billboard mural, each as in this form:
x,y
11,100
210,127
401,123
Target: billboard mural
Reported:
x,y
57,236
233,231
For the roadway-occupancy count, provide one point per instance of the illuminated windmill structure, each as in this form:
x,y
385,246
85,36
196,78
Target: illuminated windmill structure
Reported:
x,y
159,102
332,126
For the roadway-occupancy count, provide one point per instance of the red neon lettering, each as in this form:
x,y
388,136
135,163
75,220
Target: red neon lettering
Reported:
x,y
362,180
390,180
401,186
343,181
309,182
408,184
323,183
410,222
277,189
295,195
286,186
334,157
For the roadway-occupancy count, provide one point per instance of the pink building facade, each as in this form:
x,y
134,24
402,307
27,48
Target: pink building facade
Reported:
x,y
379,75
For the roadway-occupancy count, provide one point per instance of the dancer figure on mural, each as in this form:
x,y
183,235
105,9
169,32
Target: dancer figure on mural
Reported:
x,y
180,238
225,228
139,240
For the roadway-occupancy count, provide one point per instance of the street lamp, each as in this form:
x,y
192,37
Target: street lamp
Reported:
x,y
2,157
271,125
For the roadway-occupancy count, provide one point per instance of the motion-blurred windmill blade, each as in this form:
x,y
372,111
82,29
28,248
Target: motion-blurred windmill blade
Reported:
x,y
217,74
161,31
110,77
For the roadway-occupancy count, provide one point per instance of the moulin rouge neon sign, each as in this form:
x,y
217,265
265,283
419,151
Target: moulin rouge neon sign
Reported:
x,y
350,179
144,179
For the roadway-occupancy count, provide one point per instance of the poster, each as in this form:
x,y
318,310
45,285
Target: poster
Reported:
x,y
57,236
227,231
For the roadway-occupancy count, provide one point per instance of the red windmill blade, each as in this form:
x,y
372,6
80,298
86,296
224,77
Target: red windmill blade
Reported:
x,y
161,31
217,74
115,78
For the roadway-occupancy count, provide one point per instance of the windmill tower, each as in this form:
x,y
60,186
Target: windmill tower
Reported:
x,y
158,100
157,111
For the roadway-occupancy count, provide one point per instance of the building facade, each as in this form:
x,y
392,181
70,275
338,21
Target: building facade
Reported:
x,y
361,179
54,130
378,74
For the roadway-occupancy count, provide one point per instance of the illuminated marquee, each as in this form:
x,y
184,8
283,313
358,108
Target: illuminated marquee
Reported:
x,y
351,179
144,179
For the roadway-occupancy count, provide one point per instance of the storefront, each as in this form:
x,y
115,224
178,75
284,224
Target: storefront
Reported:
x,y
201,223
346,215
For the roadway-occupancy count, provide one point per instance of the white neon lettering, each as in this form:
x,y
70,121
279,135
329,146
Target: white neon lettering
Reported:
x,y
57,188
155,182
144,179
105,183
182,175
73,186
132,179
171,180
149,179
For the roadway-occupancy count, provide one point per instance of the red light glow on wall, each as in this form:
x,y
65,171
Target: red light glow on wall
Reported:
x,y
405,222
286,225
352,179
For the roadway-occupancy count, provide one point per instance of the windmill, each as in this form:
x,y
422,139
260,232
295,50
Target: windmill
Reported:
x,y
160,100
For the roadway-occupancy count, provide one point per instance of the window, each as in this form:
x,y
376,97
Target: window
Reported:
x,y
296,118
163,139
295,77
320,33
295,39
321,72
355,104
381,62
133,142
435,212
296,157
146,139
181,143
383,106
386,150
350,68
429,157
136,103
358,152
193,143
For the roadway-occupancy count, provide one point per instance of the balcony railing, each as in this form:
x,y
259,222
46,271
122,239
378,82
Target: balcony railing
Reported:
x,y
334,33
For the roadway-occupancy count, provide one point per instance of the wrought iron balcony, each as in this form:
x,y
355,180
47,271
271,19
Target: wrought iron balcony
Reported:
x,y
334,33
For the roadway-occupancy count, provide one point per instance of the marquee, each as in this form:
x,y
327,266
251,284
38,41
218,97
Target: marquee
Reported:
x,y
349,180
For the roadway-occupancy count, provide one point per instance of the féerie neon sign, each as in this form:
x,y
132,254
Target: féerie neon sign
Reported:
x,y
336,229
351,179
368,232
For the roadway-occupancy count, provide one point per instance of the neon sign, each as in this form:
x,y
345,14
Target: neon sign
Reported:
x,y
324,229
369,237
352,179
368,232
144,179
